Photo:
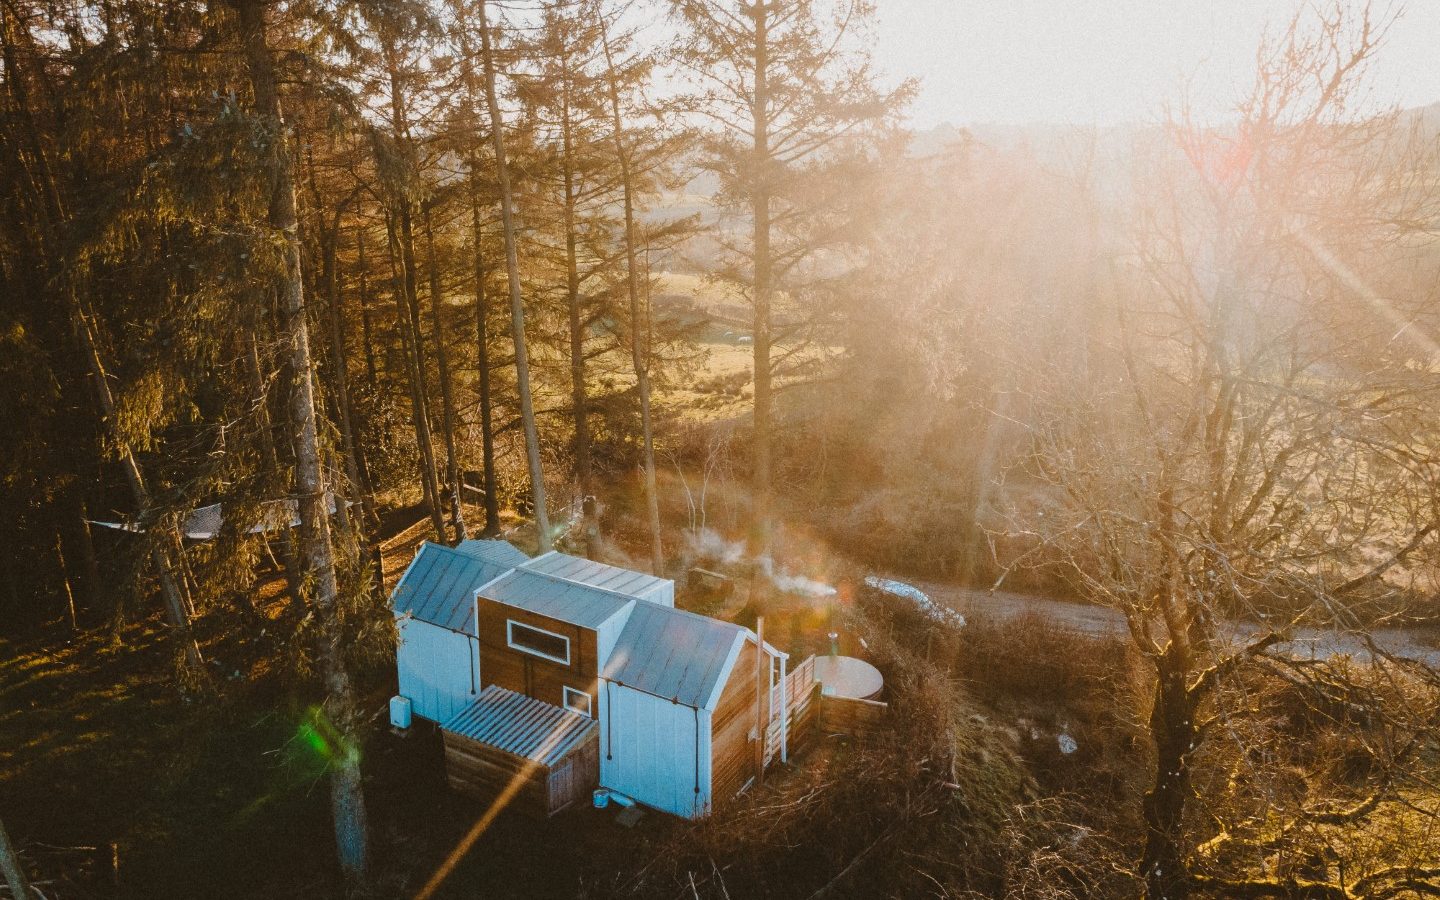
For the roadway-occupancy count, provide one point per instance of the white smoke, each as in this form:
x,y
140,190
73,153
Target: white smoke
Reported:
x,y
706,543
799,584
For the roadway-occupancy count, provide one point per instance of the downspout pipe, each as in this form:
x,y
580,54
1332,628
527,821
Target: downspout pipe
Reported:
x,y
784,711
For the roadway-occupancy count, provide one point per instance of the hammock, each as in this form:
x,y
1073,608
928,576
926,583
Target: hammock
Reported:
x,y
203,524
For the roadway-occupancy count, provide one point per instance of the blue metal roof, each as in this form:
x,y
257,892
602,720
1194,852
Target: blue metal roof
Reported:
x,y
439,587
672,653
595,574
500,553
566,601
521,726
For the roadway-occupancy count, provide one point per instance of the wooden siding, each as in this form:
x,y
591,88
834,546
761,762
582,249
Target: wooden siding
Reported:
x,y
734,729
484,772
525,673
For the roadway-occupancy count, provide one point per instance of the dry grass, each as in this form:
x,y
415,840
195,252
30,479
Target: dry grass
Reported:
x,y
924,803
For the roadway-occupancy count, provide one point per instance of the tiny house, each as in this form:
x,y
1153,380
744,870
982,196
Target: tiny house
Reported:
x,y
439,664
679,706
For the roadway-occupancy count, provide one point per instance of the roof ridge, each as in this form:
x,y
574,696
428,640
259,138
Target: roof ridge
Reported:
x,y
447,548
525,567
695,615
429,543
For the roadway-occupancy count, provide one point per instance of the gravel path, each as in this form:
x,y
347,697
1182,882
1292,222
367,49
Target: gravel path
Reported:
x,y
1100,621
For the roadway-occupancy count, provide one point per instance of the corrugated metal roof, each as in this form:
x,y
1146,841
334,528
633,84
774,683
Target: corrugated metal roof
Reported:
x,y
594,574
500,553
439,587
566,601
522,726
671,653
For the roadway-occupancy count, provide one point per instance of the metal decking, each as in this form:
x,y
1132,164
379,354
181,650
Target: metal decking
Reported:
x,y
497,552
521,726
596,574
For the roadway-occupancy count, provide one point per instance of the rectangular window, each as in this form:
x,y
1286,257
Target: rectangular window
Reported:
x,y
578,701
538,642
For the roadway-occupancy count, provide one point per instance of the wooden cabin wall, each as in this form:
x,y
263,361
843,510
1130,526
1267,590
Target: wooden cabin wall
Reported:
x,y
574,778
482,772
525,673
733,753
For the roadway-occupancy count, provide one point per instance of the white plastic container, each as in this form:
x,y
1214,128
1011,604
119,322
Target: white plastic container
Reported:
x,y
400,711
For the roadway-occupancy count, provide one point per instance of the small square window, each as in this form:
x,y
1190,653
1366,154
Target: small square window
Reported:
x,y
579,701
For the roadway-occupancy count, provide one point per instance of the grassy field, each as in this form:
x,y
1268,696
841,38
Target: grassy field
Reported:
x,y
721,387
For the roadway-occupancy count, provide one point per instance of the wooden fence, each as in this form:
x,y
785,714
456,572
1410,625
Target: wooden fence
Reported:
x,y
848,715
800,692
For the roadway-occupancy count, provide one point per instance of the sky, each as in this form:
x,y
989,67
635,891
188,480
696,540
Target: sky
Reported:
x,y
1105,62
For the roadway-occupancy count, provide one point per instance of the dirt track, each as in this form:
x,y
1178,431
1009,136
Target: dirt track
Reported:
x,y
1099,620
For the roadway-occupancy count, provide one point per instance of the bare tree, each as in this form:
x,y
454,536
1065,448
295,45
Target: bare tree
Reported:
x,y
1265,456
638,330
471,113
10,867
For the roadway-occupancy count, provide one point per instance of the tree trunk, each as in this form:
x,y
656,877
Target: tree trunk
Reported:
x,y
637,322
473,92
65,581
94,589
346,796
294,578
447,396
365,327
339,393
406,236
760,528
354,468
355,455
169,588
419,416
517,302
10,866
482,343
399,123
339,389
579,403
1172,728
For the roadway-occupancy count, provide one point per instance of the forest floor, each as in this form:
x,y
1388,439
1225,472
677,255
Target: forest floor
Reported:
x,y
116,784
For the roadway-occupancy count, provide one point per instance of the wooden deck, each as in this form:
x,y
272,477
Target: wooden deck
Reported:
x,y
509,748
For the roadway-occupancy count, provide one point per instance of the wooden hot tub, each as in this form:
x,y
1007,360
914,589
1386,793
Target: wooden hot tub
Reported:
x,y
848,677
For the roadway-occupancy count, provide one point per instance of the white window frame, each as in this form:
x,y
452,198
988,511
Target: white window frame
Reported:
x,y
589,701
510,640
